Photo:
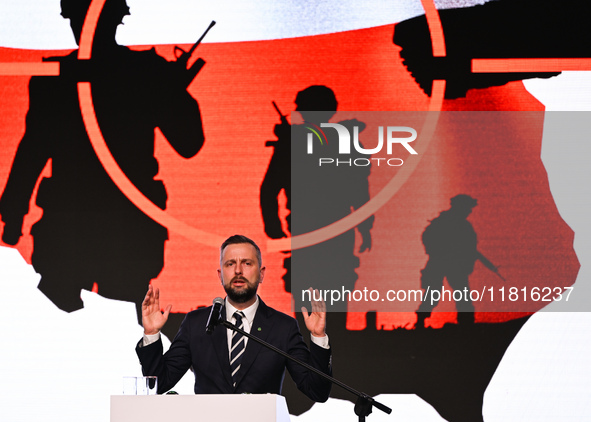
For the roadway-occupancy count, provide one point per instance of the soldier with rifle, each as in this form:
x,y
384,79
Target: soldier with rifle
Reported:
x,y
332,197
90,234
451,243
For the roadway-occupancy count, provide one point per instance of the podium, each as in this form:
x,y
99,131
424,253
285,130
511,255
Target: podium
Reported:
x,y
203,407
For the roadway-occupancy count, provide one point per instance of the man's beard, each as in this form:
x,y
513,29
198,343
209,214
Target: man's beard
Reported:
x,y
242,295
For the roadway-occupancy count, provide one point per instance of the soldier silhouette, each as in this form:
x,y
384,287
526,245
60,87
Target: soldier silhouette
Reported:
x,y
90,232
450,241
324,195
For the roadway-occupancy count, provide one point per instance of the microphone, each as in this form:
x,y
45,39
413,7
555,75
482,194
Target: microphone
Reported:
x,y
215,315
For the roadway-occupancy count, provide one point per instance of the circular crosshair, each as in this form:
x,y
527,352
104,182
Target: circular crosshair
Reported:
x,y
274,245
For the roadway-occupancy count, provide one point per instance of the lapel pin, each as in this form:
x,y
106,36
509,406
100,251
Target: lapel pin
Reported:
x,y
259,329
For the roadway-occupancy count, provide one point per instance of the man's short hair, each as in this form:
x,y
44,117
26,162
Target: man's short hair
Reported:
x,y
237,239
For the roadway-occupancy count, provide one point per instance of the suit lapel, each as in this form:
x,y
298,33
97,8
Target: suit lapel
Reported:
x,y
261,328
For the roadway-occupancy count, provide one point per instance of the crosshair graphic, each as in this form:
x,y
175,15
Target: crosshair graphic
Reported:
x,y
320,235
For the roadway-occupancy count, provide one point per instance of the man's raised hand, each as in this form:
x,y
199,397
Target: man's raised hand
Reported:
x,y
153,319
316,320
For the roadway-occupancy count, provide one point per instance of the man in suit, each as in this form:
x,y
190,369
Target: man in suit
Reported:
x,y
227,362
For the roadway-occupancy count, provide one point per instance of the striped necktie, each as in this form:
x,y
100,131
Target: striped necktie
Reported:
x,y
237,346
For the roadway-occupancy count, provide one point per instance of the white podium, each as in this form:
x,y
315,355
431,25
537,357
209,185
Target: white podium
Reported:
x,y
205,407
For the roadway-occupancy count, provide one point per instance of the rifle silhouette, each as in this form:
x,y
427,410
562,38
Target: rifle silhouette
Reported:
x,y
284,121
281,115
488,264
182,58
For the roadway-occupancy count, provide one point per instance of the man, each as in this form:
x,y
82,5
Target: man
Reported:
x,y
224,362
90,234
451,243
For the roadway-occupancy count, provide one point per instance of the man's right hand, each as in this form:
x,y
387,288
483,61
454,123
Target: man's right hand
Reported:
x,y
153,319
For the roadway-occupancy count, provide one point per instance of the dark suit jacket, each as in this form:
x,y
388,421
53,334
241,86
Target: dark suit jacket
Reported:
x,y
261,371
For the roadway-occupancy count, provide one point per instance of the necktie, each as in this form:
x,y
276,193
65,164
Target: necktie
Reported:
x,y
237,346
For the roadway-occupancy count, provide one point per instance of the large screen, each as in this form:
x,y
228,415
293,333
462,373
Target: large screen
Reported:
x,y
423,164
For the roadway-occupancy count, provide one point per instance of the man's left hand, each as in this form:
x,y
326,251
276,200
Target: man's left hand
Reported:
x,y
316,321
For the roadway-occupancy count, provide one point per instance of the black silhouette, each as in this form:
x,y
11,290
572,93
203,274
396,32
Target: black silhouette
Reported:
x,y
450,241
496,29
90,232
450,368
317,197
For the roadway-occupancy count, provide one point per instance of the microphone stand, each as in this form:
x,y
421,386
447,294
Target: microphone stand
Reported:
x,y
364,403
